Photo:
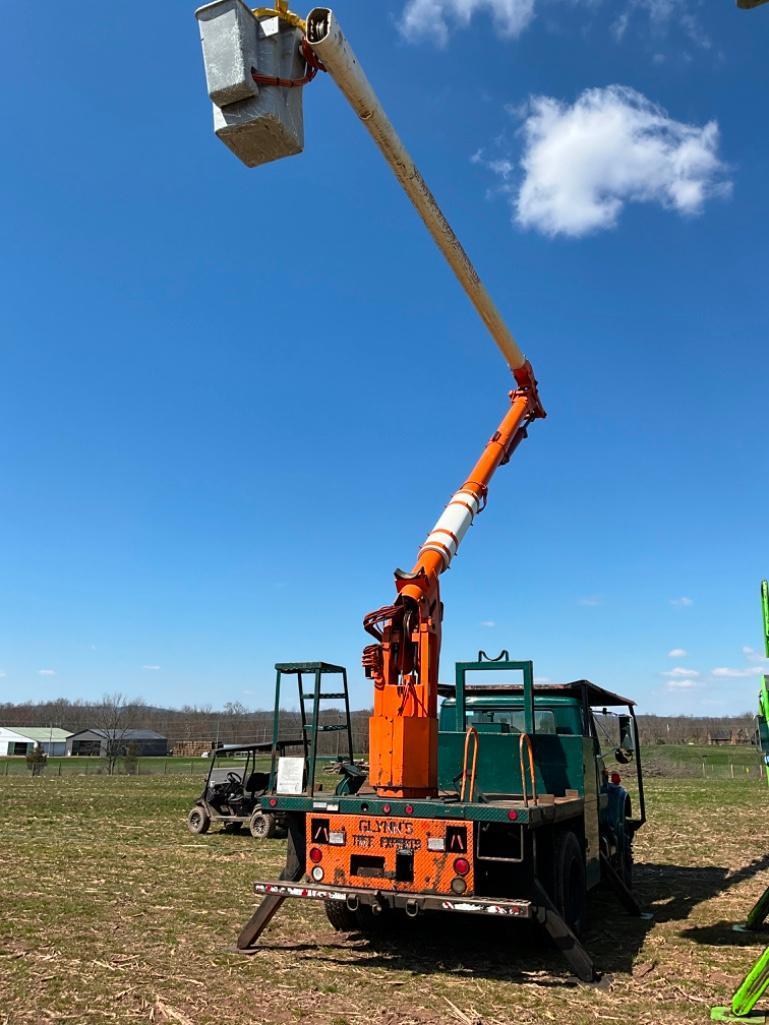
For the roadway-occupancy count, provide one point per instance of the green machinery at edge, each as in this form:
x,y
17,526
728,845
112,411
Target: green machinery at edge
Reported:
x,y
762,719
756,982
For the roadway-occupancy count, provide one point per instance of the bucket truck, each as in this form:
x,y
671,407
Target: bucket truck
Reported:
x,y
501,804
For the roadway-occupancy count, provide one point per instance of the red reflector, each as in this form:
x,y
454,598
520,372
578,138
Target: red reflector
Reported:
x,y
386,808
316,855
409,809
273,801
512,814
616,778
461,866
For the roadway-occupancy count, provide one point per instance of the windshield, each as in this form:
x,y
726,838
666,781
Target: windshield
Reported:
x,y
511,720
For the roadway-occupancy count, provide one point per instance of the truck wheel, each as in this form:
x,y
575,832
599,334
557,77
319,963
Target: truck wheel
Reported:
x,y
198,820
570,890
262,826
340,916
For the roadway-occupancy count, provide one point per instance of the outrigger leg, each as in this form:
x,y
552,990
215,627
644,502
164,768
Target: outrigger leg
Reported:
x,y
747,995
576,956
270,905
617,883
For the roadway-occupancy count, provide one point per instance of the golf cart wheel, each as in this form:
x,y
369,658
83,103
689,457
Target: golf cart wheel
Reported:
x,y
570,890
198,820
262,826
340,916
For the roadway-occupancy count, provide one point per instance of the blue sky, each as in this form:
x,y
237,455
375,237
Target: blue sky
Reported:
x,y
234,401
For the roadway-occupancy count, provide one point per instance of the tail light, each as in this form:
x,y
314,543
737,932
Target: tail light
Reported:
x,y
461,866
316,855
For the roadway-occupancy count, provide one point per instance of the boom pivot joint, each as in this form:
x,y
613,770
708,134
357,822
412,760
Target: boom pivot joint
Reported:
x,y
527,383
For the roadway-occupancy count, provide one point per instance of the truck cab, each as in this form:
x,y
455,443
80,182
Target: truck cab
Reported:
x,y
578,741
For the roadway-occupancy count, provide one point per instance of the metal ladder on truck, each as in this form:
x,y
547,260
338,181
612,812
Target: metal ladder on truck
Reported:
x,y
314,673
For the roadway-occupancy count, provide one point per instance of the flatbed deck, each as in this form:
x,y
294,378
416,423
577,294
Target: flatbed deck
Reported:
x,y
546,809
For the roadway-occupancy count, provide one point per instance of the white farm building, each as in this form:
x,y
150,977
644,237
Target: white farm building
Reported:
x,y
22,740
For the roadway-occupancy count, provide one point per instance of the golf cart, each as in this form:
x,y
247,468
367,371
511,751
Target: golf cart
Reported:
x,y
232,791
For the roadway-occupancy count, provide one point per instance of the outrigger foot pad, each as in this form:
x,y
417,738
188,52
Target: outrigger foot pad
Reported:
x,y
727,1014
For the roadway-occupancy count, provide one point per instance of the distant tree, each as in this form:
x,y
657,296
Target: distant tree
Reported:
x,y
131,758
36,760
114,717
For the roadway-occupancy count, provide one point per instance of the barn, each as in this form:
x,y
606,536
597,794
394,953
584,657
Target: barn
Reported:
x,y
22,740
143,743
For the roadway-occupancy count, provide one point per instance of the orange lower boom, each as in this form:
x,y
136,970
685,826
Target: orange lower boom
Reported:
x,y
403,730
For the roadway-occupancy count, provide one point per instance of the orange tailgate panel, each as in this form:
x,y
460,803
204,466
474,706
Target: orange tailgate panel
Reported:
x,y
364,844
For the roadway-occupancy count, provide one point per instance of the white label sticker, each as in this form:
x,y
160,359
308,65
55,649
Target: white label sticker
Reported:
x,y
290,775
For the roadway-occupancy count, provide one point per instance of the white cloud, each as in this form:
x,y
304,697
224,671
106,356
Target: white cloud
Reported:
x,y
542,679
488,623
661,15
680,684
46,672
582,163
590,601
755,657
682,603
725,672
677,653
153,668
2,674
681,673
431,19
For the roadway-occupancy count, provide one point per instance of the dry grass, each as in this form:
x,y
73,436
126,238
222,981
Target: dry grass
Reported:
x,y
112,912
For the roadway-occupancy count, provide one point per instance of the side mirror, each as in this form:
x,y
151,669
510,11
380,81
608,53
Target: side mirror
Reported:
x,y
625,752
626,733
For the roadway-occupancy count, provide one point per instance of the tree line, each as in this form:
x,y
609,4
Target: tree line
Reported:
x,y
192,729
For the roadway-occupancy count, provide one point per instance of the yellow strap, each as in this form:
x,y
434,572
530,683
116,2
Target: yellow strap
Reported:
x,y
281,11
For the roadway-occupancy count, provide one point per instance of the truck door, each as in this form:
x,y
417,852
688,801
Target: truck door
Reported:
x,y
591,759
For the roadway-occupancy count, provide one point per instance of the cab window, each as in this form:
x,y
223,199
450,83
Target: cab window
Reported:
x,y
511,720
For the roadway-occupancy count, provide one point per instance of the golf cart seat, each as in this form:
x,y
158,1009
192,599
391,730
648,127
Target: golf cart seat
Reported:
x,y
257,783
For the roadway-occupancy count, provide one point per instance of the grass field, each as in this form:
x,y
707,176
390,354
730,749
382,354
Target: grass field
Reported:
x,y
112,912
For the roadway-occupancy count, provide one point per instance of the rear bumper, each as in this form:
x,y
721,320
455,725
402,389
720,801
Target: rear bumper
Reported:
x,y
411,903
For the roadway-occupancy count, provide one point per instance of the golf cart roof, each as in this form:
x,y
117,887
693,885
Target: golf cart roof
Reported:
x,y
596,697
262,745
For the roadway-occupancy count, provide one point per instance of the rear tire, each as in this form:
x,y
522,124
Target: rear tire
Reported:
x,y
361,920
340,916
262,826
198,820
570,884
